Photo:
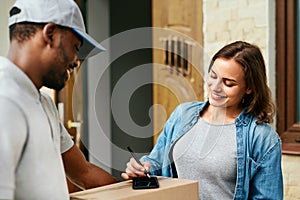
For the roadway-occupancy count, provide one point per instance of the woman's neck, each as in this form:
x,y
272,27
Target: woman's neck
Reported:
x,y
219,115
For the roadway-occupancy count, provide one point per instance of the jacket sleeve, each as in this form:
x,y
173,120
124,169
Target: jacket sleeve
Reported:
x,y
266,174
159,156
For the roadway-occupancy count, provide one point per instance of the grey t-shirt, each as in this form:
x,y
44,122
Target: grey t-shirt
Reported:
x,y
207,153
32,139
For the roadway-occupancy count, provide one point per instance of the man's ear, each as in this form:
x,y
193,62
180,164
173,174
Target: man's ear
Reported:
x,y
48,33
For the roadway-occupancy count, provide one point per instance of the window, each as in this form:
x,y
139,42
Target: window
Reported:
x,y
287,78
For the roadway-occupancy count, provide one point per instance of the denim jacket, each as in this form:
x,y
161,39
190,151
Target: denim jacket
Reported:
x,y
259,174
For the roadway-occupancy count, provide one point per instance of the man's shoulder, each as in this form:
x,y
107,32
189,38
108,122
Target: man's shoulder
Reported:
x,y
7,82
9,88
12,92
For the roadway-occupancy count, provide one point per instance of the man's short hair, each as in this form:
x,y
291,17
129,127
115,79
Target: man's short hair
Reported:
x,y
24,31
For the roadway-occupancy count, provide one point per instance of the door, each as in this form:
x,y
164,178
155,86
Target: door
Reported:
x,y
70,108
70,104
177,56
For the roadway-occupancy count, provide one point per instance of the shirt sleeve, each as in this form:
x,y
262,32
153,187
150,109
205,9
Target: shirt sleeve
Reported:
x,y
159,156
66,141
13,134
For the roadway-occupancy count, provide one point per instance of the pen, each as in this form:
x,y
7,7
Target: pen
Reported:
x,y
138,161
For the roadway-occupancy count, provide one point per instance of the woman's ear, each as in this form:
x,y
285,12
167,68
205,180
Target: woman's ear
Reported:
x,y
48,32
248,91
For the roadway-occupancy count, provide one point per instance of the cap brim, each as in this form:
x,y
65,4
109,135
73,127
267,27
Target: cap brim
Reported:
x,y
89,47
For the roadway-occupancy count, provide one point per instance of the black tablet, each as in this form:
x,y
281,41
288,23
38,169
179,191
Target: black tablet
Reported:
x,y
145,182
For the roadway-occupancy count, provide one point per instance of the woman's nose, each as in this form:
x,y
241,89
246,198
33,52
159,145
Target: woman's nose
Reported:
x,y
216,85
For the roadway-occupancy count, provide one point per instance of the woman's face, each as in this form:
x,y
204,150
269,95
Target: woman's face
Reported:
x,y
226,84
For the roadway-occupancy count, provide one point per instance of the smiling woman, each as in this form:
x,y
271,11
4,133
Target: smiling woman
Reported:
x,y
219,141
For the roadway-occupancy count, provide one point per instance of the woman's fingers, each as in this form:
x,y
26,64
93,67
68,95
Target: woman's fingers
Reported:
x,y
134,169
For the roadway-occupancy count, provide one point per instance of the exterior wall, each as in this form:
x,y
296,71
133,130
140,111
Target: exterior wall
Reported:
x,y
4,36
291,176
230,20
4,40
253,21
226,21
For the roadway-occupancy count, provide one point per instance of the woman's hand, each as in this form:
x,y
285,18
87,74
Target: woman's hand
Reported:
x,y
134,169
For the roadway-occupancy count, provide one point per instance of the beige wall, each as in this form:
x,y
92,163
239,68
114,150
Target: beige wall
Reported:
x,y
291,173
230,20
4,41
4,37
253,21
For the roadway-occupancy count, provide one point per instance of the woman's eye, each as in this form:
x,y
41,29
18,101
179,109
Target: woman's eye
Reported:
x,y
229,84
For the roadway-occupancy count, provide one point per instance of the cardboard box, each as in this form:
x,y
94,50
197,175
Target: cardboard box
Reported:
x,y
169,188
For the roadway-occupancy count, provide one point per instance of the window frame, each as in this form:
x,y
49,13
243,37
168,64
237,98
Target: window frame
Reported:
x,y
286,76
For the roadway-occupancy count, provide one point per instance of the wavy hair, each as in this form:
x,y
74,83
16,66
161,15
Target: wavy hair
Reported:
x,y
259,101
